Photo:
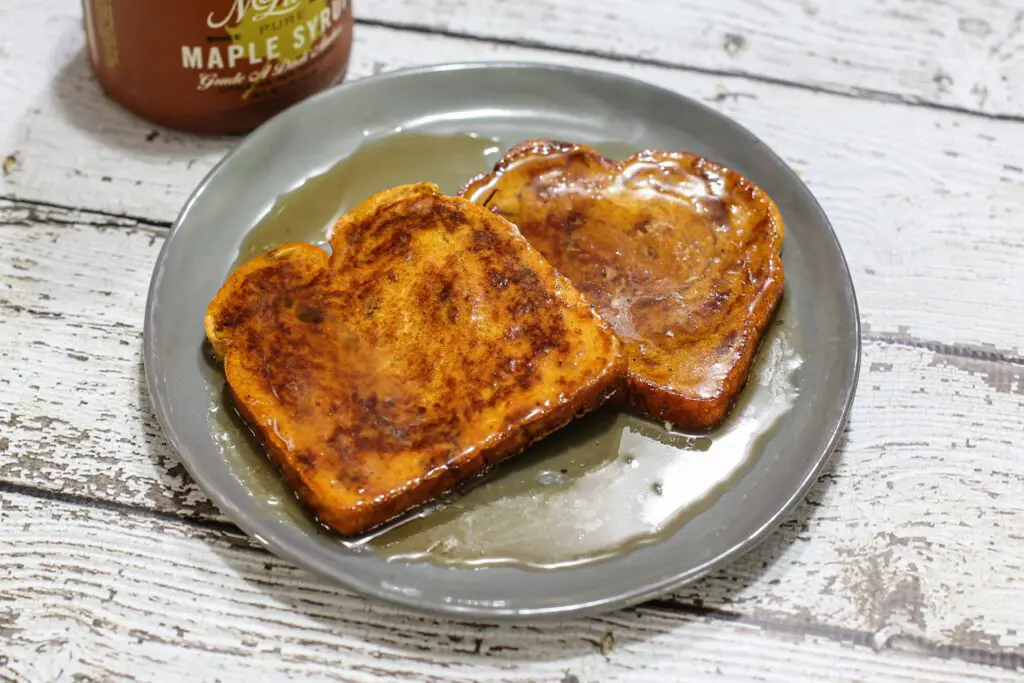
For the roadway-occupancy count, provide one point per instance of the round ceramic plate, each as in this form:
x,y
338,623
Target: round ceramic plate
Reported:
x,y
510,103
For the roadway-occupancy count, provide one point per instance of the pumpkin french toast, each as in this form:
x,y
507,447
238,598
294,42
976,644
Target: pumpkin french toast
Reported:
x,y
432,343
679,254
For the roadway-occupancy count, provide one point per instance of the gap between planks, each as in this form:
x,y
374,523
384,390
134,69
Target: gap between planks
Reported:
x,y
861,637
985,353
43,204
879,641
852,92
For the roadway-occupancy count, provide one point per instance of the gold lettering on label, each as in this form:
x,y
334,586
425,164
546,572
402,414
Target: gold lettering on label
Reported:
x,y
263,9
191,57
268,38
235,52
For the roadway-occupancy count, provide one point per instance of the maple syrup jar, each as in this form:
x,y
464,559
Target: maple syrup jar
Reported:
x,y
216,66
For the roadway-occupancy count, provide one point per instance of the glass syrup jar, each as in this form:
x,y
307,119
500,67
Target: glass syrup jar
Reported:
x,y
216,66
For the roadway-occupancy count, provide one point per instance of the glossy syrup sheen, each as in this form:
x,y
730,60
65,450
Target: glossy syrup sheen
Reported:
x,y
305,213
434,343
605,485
602,486
679,255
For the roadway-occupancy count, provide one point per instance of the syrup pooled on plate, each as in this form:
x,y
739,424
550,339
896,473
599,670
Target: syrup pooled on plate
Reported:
x,y
605,485
600,487
305,213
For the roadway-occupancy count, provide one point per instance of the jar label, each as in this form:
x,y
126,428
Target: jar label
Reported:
x,y
260,43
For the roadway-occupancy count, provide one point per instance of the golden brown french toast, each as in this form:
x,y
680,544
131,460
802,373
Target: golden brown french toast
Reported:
x,y
431,344
680,255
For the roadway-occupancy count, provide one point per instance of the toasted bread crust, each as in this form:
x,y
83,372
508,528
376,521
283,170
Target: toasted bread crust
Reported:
x,y
432,344
681,255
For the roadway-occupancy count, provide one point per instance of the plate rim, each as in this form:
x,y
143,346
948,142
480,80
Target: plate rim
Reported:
x,y
621,600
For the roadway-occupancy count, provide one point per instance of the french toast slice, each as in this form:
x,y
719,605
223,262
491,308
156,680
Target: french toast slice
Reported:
x,y
679,254
431,344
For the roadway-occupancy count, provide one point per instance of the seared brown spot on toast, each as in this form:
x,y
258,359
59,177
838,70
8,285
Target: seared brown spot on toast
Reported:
x,y
433,343
680,255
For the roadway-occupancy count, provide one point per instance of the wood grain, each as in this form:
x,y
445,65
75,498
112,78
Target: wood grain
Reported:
x,y
912,529
904,563
103,595
904,187
950,53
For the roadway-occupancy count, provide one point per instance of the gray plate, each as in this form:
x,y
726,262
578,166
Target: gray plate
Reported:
x,y
511,101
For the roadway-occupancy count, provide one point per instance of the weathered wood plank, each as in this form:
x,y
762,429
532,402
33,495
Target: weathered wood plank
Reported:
x,y
952,53
933,445
62,135
904,187
913,534
99,594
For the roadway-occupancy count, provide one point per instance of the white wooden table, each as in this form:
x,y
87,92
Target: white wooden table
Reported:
x,y
906,561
